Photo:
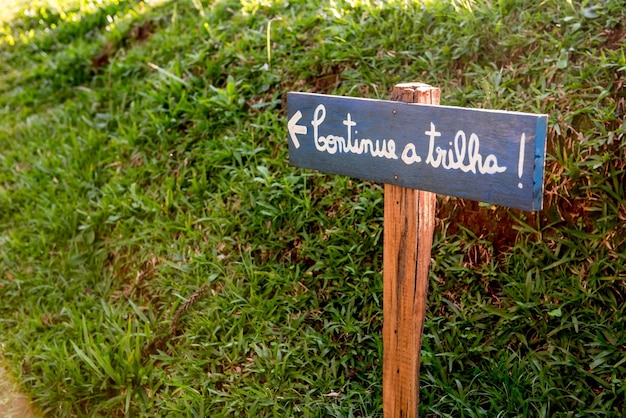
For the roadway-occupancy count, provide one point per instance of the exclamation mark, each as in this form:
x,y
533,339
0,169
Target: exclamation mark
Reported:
x,y
520,163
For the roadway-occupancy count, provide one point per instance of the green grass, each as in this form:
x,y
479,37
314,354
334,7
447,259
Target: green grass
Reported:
x,y
158,255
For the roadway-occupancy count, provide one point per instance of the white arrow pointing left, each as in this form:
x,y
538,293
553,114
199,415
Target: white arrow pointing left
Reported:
x,y
296,129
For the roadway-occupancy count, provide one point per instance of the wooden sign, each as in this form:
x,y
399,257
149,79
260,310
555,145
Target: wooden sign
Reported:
x,y
417,149
486,155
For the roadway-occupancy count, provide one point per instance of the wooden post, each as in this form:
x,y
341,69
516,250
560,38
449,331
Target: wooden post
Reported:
x,y
409,221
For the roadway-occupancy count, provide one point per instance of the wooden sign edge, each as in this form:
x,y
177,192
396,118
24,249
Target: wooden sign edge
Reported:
x,y
367,99
541,134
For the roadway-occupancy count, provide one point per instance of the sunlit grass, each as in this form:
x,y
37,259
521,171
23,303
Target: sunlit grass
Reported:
x,y
9,9
21,21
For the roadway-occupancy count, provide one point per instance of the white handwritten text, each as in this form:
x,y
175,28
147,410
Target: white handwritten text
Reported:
x,y
462,154
332,144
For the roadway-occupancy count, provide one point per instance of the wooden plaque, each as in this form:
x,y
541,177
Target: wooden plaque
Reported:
x,y
486,155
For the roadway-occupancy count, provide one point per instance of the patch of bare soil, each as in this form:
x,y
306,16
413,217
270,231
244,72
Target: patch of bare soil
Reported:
x,y
12,403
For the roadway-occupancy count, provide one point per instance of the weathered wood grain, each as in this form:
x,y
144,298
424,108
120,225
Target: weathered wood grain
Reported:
x,y
409,221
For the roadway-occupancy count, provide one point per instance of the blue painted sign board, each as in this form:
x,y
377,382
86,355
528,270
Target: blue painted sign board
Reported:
x,y
491,156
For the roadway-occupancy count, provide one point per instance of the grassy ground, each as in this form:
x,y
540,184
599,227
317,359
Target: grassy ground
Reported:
x,y
158,255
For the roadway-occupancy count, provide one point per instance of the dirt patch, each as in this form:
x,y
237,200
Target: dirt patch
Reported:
x,y
137,34
614,37
12,403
